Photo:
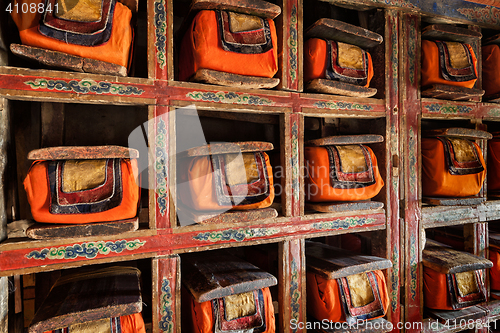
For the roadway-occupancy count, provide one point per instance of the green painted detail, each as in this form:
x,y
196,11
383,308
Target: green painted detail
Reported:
x,y
167,315
485,14
160,22
346,223
413,267
412,163
343,106
295,294
235,234
161,166
294,160
85,87
395,279
494,112
448,108
228,98
292,43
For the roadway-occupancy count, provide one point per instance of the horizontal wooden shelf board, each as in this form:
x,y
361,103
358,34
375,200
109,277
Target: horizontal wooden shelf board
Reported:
x,y
467,201
220,105
379,325
435,108
433,215
195,86
489,210
455,320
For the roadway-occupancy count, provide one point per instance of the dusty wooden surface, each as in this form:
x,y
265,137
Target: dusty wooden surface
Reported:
x,y
51,231
450,32
60,60
92,296
465,133
234,216
446,260
331,29
468,201
233,80
252,7
379,325
451,92
334,263
458,316
346,140
82,152
326,207
325,86
214,275
229,147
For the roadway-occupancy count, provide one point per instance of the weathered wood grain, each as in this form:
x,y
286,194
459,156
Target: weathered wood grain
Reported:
x,y
346,140
82,152
229,147
468,201
333,263
210,275
66,61
92,296
337,207
379,325
325,86
233,80
331,29
252,7
458,316
450,32
51,231
235,216
446,260
453,93
464,133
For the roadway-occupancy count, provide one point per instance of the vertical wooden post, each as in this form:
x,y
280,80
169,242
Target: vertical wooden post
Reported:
x,y
160,45
289,29
166,294
4,140
292,285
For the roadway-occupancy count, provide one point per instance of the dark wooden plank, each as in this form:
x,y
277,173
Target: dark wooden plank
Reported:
x,y
468,201
346,140
50,231
450,32
66,61
494,98
82,152
235,216
331,29
379,325
333,263
82,297
233,80
494,238
446,260
465,133
325,86
458,316
251,7
214,275
229,147
337,207
453,93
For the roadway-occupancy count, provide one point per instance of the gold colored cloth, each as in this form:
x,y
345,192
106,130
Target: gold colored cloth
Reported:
x,y
241,22
79,175
350,56
352,159
96,326
466,282
79,10
239,305
241,168
360,289
464,150
458,55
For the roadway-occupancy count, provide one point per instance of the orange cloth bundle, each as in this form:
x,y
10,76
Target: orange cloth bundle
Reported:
x,y
449,63
116,50
69,192
226,181
128,324
494,165
247,47
337,61
328,179
204,321
451,167
495,270
491,69
324,301
452,291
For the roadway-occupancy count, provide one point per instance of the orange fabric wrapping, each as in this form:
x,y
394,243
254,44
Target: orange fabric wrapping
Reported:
x,y
37,188
436,294
115,51
491,69
495,270
494,164
200,49
196,189
318,187
204,322
438,182
315,60
323,297
431,72
129,324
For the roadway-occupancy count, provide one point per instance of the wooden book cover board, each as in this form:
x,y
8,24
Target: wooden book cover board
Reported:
x,y
346,140
467,201
325,86
447,260
88,296
259,8
451,33
234,216
233,80
453,93
331,29
379,325
337,207
82,152
229,148
457,132
210,275
466,315
333,263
